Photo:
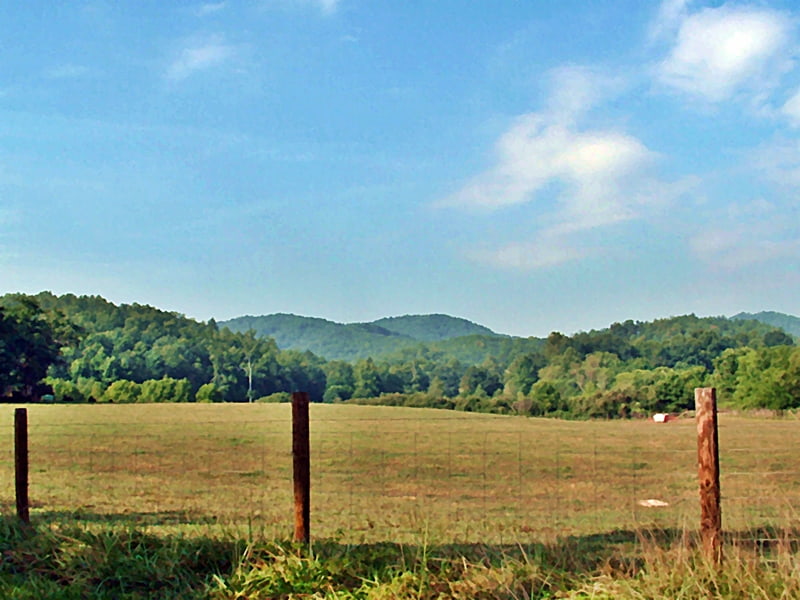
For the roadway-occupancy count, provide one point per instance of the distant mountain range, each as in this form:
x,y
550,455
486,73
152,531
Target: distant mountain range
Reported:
x,y
788,323
457,337
358,340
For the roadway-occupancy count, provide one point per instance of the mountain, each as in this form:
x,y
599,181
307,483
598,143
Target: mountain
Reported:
x,y
351,341
790,324
432,328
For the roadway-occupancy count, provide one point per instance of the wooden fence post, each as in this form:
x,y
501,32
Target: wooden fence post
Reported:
x,y
21,463
301,454
705,401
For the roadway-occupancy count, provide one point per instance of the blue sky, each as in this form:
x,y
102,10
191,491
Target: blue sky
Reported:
x,y
531,166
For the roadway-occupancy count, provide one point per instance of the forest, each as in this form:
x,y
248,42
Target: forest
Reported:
x,y
86,349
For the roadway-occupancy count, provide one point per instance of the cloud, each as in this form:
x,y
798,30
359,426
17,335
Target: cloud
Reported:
x,y
548,251
537,151
209,8
670,15
747,234
778,162
327,7
599,170
791,109
596,177
721,51
732,250
67,71
575,89
199,56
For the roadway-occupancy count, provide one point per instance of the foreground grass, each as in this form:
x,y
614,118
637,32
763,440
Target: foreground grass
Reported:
x,y
63,561
171,501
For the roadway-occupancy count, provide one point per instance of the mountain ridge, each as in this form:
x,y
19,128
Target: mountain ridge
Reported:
x,y
789,323
391,335
348,341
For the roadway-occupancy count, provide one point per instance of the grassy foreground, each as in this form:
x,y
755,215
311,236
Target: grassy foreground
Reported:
x,y
72,562
181,501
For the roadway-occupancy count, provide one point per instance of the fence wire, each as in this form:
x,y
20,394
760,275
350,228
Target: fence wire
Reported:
x,y
399,474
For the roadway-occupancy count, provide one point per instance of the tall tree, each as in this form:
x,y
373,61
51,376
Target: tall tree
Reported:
x,y
28,348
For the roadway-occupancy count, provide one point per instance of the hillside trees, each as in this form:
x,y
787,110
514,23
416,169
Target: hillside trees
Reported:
x,y
768,377
29,345
91,349
140,344
340,379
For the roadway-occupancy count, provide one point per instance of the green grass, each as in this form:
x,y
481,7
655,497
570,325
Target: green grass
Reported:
x,y
71,561
191,501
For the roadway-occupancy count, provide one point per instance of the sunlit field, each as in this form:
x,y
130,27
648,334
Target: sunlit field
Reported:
x,y
399,474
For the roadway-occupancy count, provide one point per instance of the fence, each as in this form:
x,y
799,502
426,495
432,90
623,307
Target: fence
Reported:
x,y
398,474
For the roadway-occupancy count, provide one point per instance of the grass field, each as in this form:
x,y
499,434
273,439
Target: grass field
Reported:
x,y
400,474
194,501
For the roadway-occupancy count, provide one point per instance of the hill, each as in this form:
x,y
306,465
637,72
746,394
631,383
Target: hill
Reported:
x,y
87,349
790,324
432,328
351,341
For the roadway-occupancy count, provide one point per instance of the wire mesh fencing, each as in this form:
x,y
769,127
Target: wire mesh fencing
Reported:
x,y
397,474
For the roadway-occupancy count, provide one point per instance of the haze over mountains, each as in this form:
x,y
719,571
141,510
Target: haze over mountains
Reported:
x,y
349,341
788,323
471,341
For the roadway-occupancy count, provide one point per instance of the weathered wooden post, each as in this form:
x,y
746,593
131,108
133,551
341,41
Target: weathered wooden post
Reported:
x,y
705,401
301,454
21,463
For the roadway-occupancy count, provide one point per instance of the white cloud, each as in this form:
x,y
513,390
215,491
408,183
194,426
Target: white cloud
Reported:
x,y
548,251
597,177
327,7
739,248
574,90
67,71
747,234
594,165
778,162
721,51
199,56
670,15
791,109
209,8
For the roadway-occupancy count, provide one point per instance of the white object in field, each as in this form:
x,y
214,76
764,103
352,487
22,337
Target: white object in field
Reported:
x,y
653,503
660,417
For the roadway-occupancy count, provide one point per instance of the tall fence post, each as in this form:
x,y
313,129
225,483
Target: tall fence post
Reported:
x,y
21,464
301,455
705,401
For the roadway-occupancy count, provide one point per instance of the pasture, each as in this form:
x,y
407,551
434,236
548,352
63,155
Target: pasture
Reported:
x,y
394,474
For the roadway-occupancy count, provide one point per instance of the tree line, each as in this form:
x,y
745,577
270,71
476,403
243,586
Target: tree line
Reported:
x,y
86,349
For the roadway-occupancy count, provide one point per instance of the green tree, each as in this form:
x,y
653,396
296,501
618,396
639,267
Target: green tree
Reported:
x,y
166,389
28,346
778,338
123,391
367,379
522,373
208,392
545,398
769,378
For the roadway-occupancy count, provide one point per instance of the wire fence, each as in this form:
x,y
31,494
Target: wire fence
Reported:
x,y
398,474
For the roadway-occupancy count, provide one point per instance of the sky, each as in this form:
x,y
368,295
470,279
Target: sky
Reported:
x,y
530,166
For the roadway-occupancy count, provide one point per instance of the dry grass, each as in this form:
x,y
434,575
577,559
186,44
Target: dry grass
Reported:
x,y
399,474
